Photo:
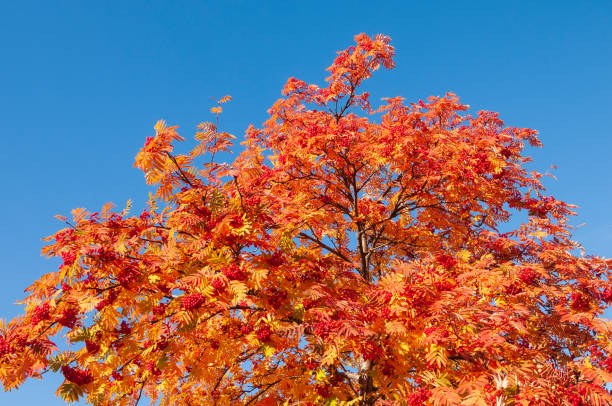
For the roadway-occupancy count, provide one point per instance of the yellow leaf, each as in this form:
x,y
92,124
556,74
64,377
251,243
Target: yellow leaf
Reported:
x,y
154,278
464,255
160,126
405,348
268,350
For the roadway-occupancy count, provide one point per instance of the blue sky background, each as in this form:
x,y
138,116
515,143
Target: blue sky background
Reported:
x,y
82,84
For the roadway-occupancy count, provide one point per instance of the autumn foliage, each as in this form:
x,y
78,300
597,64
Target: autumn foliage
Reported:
x,y
349,255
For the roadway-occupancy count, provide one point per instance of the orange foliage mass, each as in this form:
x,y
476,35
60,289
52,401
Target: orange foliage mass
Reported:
x,y
340,259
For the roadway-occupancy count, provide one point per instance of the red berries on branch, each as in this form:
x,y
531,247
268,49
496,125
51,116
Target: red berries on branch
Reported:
x,y
193,301
77,376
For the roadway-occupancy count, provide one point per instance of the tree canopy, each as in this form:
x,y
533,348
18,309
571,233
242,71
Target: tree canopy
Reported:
x,y
349,254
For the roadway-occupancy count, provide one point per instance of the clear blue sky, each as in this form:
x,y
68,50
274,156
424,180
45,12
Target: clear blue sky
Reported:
x,y
82,84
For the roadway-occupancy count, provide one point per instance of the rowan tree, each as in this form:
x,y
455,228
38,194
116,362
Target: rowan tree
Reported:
x,y
349,255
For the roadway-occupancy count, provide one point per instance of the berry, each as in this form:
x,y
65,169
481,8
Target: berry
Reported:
x,y
77,376
193,301
276,297
92,346
68,317
5,347
579,302
234,272
218,284
419,397
446,261
41,313
606,295
125,328
68,258
160,309
264,333
527,276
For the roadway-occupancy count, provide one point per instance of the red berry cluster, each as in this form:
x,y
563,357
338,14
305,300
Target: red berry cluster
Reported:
x,y
193,301
446,261
579,302
384,296
325,327
276,297
77,376
444,285
203,212
234,272
66,236
482,164
68,317
371,350
145,215
109,300
68,258
527,275
164,289
219,285
41,313
574,395
310,303
5,347
417,297
419,397
605,363
236,222
325,199
324,390
103,254
540,208
127,276
115,217
264,333
606,295
311,363
160,309
124,328
246,328
490,392
152,368
514,289
92,346
162,344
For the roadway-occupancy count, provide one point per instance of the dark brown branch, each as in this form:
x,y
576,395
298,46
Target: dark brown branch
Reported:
x,y
182,174
254,398
323,245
